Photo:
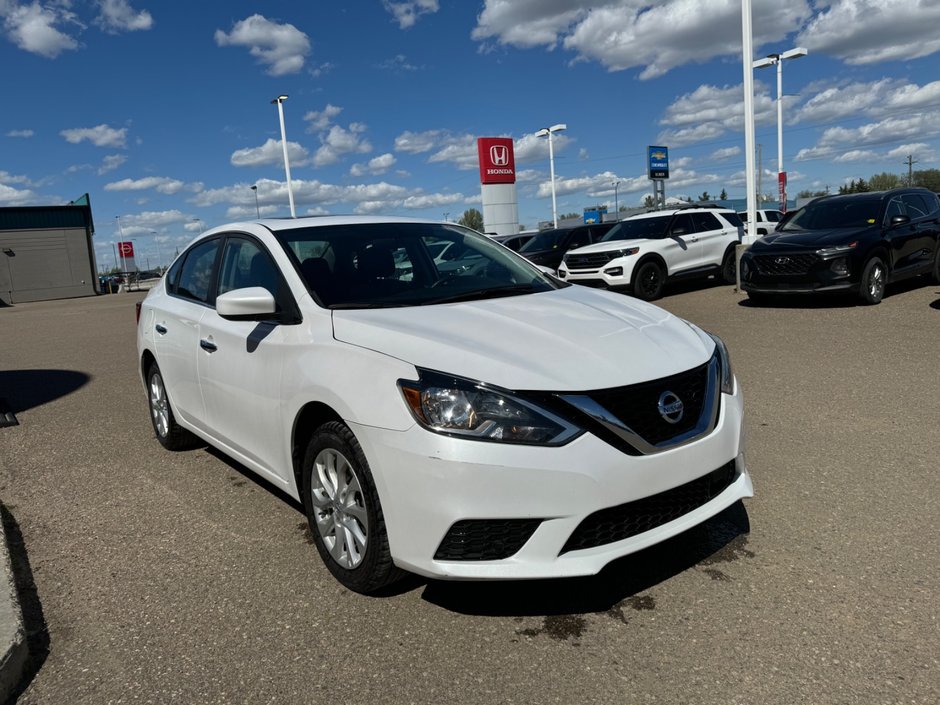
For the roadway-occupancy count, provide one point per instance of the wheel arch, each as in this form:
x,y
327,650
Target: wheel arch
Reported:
x,y
310,417
146,360
651,257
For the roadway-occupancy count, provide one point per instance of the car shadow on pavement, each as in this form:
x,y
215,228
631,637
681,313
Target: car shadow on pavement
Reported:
x,y
837,300
722,538
27,389
34,621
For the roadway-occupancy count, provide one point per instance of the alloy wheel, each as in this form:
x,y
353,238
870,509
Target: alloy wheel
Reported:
x,y
339,507
159,406
876,282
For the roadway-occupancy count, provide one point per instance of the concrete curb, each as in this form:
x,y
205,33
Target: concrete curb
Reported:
x,y
14,650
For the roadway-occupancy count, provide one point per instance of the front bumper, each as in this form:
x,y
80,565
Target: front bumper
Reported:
x,y
614,274
427,483
817,276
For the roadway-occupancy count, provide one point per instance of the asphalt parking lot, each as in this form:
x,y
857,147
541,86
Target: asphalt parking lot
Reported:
x,y
153,577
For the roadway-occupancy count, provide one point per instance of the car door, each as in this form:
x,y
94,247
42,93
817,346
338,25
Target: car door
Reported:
x,y
240,362
713,238
920,236
680,247
176,321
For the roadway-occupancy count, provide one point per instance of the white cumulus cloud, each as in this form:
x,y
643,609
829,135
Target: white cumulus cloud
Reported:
x,y
282,47
270,152
118,16
36,28
406,13
100,135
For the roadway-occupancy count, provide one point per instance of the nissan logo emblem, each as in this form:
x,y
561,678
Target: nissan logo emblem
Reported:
x,y
670,407
499,155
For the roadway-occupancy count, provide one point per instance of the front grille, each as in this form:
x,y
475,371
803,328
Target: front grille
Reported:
x,y
592,260
485,539
626,520
637,406
784,264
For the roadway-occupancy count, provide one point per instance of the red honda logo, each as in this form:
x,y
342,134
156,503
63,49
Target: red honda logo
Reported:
x,y
499,155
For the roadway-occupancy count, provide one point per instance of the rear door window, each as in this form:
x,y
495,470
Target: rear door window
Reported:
x,y
705,221
579,238
916,205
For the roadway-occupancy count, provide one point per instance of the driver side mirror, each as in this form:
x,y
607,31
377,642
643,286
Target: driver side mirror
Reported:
x,y
900,219
249,304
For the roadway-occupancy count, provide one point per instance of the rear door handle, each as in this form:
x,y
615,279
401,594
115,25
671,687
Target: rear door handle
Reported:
x,y
160,329
207,346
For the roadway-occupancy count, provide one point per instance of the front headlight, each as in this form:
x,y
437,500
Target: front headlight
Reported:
x,y
460,407
837,250
727,378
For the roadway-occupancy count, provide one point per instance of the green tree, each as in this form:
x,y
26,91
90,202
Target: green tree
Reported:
x,y
811,194
928,178
704,196
723,196
566,216
649,202
472,218
884,181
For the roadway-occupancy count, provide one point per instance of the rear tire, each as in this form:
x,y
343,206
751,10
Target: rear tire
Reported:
x,y
935,274
171,435
874,279
648,281
344,512
729,267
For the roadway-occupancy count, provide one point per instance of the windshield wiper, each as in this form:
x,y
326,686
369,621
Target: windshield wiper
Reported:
x,y
479,294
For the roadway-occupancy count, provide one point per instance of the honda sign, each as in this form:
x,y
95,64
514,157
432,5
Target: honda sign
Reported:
x,y
497,163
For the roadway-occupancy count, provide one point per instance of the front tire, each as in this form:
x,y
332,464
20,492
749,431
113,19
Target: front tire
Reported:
x,y
344,512
874,280
171,435
648,281
935,274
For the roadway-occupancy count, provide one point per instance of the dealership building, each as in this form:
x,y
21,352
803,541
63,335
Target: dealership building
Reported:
x,y
46,252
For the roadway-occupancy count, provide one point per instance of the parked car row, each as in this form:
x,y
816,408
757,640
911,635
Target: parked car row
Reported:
x,y
845,243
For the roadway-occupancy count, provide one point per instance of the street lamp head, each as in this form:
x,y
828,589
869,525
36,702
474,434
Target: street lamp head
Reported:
x,y
558,128
254,188
279,99
795,53
770,60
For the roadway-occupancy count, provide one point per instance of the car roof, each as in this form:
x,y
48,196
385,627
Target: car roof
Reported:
x,y
315,221
674,211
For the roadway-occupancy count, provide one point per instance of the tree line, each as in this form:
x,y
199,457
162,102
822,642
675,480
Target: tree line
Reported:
x,y
927,178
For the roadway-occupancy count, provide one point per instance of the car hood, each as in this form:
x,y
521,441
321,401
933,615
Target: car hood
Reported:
x,y
569,339
810,239
607,246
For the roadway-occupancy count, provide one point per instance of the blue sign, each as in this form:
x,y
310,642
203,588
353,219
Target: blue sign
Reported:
x,y
658,162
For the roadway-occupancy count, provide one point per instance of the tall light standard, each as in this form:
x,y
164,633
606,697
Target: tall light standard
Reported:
x,y
280,112
777,60
201,226
616,202
156,243
254,188
547,132
121,245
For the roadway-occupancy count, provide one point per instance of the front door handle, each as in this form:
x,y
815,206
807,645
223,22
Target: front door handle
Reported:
x,y
208,346
160,329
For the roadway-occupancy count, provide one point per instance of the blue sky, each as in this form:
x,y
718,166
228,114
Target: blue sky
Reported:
x,y
162,111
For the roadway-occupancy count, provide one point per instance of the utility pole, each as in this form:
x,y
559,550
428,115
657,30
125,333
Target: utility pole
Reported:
x,y
910,169
760,174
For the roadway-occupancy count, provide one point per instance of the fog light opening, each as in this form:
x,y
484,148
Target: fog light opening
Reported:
x,y
614,271
840,266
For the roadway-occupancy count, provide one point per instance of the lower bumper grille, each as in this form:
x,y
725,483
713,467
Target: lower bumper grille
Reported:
x,y
626,520
485,539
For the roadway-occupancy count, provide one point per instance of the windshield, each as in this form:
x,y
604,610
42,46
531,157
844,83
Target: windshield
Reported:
x,y
545,240
828,214
379,265
651,228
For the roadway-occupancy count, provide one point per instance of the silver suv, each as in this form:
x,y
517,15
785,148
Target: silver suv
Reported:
x,y
644,251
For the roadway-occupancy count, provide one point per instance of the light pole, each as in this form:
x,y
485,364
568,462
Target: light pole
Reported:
x,y
121,244
547,132
777,60
280,112
201,228
257,207
156,243
616,202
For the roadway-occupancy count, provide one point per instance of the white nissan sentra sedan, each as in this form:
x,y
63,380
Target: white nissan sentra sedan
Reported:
x,y
469,418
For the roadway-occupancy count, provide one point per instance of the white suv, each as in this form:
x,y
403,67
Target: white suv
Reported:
x,y
463,419
642,252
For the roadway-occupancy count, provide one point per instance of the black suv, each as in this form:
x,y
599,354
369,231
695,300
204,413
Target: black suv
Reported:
x,y
851,243
549,246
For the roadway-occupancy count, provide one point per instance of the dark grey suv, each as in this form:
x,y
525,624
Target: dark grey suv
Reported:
x,y
850,243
